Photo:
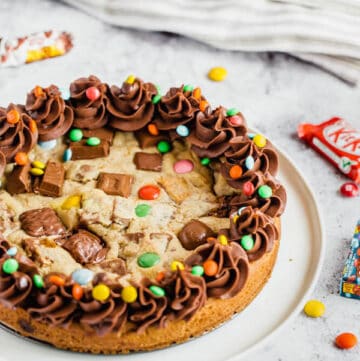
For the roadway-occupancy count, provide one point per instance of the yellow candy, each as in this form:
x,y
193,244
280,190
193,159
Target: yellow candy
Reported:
x,y
130,79
217,74
259,140
314,308
36,171
176,265
223,239
38,164
101,292
129,294
235,218
71,202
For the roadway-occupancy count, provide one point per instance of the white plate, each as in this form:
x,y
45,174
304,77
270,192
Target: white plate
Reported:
x,y
296,271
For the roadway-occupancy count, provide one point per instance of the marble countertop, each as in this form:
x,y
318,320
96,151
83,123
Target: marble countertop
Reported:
x,y
275,92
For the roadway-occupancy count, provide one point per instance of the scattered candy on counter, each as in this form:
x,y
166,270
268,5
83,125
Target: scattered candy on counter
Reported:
x,y
346,340
183,166
314,308
349,189
148,259
218,73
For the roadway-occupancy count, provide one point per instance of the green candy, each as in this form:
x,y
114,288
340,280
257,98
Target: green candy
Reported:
x,y
265,191
232,111
75,135
163,146
38,281
157,291
188,88
156,98
247,242
10,266
148,259
142,210
197,270
93,141
205,161
158,88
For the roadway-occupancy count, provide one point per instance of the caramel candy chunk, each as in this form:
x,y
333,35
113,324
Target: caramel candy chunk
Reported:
x,y
194,234
85,247
115,184
101,133
148,161
41,222
82,151
53,180
145,139
19,181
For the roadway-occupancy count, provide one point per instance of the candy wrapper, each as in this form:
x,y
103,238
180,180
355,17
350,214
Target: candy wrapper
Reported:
x,y
350,282
337,141
34,47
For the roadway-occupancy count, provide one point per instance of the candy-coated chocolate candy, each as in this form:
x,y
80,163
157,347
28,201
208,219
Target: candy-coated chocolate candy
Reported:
x,y
223,239
205,161
346,340
247,242
142,210
10,266
235,172
160,276
38,281
130,79
183,166
36,171
235,218
163,146
248,188
314,308
38,91
149,192
71,202
157,291
12,251
259,140
231,112
82,276
77,292
101,292
182,130
93,141
197,270
92,93
218,73
265,191
67,155
153,129
32,126
177,265
13,116
38,164
210,267
158,88
23,283
21,158
47,145
156,98
251,135
129,294
56,280
75,135
65,93
196,93
203,105
249,162
349,189
188,88
148,259
236,120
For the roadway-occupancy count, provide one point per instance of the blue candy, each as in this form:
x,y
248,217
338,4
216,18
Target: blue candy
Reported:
x,y
82,276
65,93
67,155
50,144
251,135
355,243
249,162
12,251
240,210
182,130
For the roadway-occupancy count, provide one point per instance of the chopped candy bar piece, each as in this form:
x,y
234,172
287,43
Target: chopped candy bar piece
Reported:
x,y
82,151
53,180
146,139
19,181
148,161
115,183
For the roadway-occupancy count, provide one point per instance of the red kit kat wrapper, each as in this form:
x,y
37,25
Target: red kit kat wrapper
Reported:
x,y
338,142
34,47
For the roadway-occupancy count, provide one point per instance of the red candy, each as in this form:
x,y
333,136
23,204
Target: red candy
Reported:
x,y
248,189
349,189
149,192
92,93
236,120
337,141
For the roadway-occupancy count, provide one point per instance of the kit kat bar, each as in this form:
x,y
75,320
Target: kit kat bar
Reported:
x,y
82,151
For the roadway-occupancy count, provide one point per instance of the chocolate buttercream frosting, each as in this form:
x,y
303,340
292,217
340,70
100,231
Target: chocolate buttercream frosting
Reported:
x,y
2,163
130,106
89,114
53,117
16,137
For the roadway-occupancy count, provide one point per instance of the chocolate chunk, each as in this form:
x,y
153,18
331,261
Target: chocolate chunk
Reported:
x,y
148,161
145,139
19,181
82,151
134,237
115,183
52,180
194,234
101,133
41,222
85,247
117,265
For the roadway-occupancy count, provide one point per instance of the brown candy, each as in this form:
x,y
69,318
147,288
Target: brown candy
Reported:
x,y
53,180
115,184
85,247
19,181
101,133
82,151
41,222
194,234
148,161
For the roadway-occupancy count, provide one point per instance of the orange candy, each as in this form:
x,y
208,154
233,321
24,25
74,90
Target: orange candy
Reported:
x,y
235,172
210,267
152,129
77,292
211,239
56,280
38,91
13,116
160,276
197,93
32,126
346,340
203,104
21,158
